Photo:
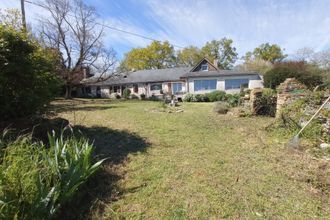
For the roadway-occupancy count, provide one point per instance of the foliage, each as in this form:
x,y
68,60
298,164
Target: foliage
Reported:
x,y
299,112
267,52
11,18
27,79
35,181
216,96
201,98
189,98
189,56
255,64
221,107
307,74
233,99
118,96
266,104
143,96
157,55
126,93
153,98
222,50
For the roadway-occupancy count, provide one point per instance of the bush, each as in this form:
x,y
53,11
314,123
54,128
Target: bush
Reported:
x,y
143,96
188,97
233,99
221,107
201,98
153,98
216,96
305,73
36,181
27,79
126,93
118,96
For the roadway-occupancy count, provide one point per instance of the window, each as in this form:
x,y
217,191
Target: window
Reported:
x,y
204,67
88,90
135,88
200,85
176,87
156,86
115,89
236,83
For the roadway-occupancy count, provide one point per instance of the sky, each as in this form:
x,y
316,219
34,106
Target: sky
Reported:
x,y
293,24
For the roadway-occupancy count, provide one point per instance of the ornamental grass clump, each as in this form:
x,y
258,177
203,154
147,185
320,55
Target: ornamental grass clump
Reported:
x,y
36,180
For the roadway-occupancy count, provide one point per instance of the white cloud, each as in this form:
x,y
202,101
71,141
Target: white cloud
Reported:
x,y
291,24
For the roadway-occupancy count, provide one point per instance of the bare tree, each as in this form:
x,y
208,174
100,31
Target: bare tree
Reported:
x,y
73,31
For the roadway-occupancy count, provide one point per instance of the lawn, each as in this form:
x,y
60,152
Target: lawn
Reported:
x,y
191,165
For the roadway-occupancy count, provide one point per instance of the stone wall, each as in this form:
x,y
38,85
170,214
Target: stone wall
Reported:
x,y
254,95
288,92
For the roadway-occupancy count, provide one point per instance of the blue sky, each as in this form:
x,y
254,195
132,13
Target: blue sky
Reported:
x,y
293,24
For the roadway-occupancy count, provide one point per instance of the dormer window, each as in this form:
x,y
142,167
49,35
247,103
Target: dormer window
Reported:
x,y
204,67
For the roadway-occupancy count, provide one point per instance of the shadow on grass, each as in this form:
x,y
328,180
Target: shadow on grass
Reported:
x,y
70,107
102,189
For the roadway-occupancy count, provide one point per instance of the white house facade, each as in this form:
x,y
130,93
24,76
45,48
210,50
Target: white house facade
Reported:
x,y
205,77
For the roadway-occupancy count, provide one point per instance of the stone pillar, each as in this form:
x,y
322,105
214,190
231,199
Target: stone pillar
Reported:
x,y
254,95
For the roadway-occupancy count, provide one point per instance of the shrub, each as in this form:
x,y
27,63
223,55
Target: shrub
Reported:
x,y
143,96
118,96
233,99
27,79
201,98
126,93
36,181
216,96
189,98
221,107
153,98
305,73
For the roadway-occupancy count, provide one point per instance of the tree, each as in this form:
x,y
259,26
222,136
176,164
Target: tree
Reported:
x,y
222,50
267,52
189,56
72,30
11,18
157,55
257,65
27,81
308,74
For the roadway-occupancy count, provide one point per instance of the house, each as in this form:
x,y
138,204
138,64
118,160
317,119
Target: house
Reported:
x,y
203,78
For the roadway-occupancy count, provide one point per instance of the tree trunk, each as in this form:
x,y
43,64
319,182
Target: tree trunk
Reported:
x,y
68,92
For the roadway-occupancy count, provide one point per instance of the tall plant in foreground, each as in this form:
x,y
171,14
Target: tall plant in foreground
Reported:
x,y
35,181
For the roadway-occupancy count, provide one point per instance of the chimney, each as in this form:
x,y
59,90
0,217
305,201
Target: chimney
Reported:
x,y
215,62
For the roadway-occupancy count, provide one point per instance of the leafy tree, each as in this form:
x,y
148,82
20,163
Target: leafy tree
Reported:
x,y
222,50
11,18
157,55
308,74
27,79
267,52
189,56
257,65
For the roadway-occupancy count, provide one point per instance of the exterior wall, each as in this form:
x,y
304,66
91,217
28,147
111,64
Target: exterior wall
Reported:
x,y
254,82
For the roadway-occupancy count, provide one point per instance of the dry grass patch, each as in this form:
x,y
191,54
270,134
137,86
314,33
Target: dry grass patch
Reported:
x,y
196,164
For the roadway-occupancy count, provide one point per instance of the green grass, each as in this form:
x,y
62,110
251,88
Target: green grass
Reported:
x,y
193,165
